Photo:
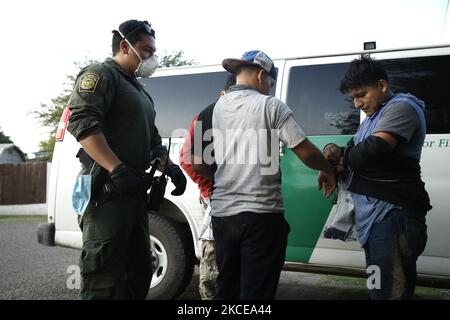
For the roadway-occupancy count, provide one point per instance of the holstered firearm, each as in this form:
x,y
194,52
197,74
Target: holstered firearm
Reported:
x,y
159,183
158,188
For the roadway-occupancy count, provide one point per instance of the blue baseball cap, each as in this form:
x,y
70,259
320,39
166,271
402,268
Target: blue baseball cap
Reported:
x,y
253,57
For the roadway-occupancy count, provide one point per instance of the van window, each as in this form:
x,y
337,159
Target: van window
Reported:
x,y
179,98
428,78
318,105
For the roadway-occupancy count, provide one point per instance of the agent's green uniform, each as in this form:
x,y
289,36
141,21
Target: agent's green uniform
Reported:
x,y
116,258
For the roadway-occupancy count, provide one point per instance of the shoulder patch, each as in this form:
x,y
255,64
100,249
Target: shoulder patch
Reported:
x,y
89,82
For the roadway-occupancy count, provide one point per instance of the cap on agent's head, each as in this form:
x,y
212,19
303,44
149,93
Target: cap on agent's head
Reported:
x,y
254,57
132,31
130,27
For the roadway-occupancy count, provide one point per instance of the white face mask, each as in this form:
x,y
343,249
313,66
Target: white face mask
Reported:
x,y
147,67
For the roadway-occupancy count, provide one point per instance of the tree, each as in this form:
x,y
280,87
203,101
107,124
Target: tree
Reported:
x,y
49,115
347,122
4,138
174,59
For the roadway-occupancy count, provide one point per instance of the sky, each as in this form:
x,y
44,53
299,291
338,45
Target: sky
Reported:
x,y
42,39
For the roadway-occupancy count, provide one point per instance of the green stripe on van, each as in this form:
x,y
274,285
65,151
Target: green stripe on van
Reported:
x,y
306,208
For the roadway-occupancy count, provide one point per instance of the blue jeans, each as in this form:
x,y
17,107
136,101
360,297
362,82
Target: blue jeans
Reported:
x,y
394,245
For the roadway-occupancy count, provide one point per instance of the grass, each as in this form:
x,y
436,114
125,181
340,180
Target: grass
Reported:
x,y
24,218
341,280
358,284
425,293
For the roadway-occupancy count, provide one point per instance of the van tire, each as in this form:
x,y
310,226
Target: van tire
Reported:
x,y
174,246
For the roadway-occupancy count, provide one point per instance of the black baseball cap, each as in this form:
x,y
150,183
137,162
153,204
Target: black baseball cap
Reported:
x,y
131,26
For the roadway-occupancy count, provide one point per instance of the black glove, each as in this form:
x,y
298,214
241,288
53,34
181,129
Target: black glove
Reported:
x,y
178,179
125,181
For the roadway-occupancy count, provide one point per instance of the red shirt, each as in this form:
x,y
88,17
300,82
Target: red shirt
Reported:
x,y
204,184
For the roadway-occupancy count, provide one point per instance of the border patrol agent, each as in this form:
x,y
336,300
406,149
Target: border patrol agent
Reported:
x,y
113,118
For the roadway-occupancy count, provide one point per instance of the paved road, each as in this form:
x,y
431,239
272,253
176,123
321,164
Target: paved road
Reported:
x,y
29,270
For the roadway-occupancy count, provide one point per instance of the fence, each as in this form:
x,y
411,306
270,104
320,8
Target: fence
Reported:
x,y
23,183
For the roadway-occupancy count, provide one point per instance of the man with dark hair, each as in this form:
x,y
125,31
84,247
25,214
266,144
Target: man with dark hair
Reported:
x,y
202,122
113,118
248,222
382,163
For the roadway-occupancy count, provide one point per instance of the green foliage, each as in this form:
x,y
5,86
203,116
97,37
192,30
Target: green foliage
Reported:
x,y
174,59
49,115
4,138
22,218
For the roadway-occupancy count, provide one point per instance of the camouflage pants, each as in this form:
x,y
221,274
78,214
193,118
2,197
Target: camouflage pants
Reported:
x,y
208,271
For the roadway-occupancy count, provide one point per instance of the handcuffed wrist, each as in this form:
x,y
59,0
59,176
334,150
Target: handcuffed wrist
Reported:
x,y
327,145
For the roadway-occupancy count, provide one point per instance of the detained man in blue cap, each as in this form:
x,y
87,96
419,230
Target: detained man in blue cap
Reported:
x,y
247,207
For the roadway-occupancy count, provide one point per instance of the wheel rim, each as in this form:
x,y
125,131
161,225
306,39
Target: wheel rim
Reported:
x,y
159,261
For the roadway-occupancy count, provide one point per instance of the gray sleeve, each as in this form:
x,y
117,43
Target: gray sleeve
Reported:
x,y
291,133
282,119
400,119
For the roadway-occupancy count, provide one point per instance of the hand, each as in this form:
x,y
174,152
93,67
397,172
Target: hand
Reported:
x,y
178,179
341,170
327,182
125,181
332,153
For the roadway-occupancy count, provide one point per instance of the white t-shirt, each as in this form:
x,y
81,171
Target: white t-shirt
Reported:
x,y
247,129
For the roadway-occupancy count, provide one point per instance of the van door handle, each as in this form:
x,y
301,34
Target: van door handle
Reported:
x,y
281,151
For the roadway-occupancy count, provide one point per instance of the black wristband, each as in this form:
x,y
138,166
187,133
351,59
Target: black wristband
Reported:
x,y
372,149
119,167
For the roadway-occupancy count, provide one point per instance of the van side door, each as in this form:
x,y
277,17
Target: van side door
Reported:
x,y
310,88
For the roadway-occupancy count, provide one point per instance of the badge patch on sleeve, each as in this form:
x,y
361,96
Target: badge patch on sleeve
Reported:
x,y
89,82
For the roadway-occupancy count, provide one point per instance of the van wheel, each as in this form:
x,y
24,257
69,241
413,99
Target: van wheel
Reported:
x,y
172,258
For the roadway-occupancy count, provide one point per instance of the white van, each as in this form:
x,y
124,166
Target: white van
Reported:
x,y
309,85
